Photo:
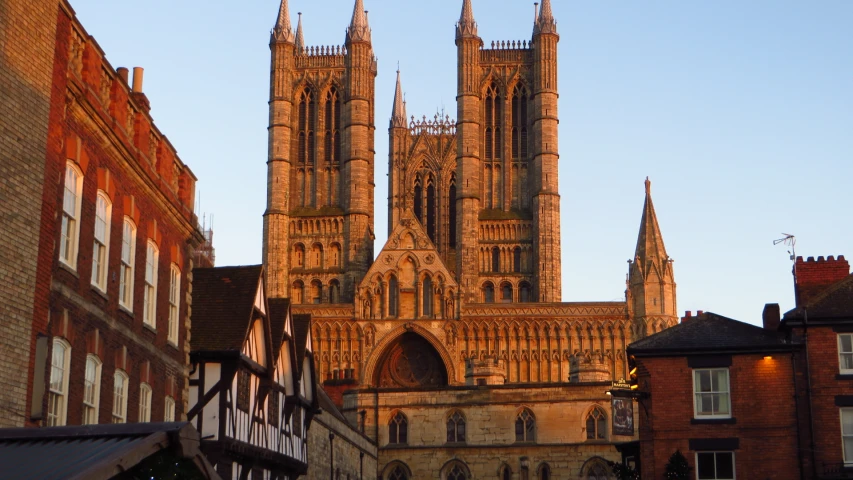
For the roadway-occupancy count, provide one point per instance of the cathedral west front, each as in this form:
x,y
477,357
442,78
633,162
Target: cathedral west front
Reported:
x,y
451,347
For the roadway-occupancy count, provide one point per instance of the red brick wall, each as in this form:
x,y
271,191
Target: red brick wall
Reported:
x,y
67,305
761,393
823,367
813,276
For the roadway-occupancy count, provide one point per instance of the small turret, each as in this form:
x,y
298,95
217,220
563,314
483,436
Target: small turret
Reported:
x,y
545,23
398,113
283,30
466,27
300,38
359,30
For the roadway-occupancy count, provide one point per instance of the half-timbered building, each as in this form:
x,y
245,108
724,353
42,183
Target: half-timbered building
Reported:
x,y
252,383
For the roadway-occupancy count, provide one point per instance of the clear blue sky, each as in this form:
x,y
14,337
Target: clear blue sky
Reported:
x,y
740,112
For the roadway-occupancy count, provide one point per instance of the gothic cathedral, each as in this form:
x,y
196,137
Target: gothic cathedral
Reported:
x,y
454,337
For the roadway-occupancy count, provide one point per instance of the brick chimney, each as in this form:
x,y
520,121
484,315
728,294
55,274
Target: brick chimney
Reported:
x,y
771,316
814,276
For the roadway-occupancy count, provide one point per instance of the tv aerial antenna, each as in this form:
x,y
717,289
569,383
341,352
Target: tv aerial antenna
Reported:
x,y
790,241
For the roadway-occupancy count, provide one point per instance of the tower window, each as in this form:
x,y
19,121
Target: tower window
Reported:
x,y
488,293
451,208
496,260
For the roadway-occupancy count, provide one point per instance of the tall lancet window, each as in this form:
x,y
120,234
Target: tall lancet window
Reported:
x,y
519,123
430,208
451,210
332,143
492,121
419,201
306,153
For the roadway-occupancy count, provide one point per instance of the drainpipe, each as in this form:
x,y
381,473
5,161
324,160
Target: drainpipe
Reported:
x,y
361,466
332,456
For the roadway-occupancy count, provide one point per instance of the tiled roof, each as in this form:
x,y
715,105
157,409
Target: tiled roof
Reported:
x,y
92,452
279,308
223,299
709,332
835,302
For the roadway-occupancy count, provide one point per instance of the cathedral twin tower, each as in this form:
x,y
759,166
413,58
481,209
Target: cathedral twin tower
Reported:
x,y
482,191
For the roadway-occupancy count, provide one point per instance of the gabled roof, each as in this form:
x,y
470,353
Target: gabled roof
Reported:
x,y
833,303
709,333
301,331
93,452
279,310
223,300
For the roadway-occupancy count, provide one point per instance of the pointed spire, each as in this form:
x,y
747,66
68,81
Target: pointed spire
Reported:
x,y
398,114
466,27
300,39
545,23
650,245
359,30
283,31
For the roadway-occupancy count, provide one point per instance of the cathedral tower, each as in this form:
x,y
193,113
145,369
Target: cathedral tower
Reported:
x,y
508,226
651,282
318,226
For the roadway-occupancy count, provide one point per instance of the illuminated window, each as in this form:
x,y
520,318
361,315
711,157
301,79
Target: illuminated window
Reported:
x,y
174,303
57,398
149,315
91,390
120,382
71,215
101,249
128,254
144,402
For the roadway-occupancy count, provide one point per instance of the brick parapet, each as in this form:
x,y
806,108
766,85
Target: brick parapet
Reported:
x,y
813,276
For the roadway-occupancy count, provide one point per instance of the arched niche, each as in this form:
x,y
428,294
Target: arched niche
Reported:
x,y
410,361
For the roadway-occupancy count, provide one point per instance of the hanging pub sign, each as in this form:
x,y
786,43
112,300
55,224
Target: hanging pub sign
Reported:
x,y
622,408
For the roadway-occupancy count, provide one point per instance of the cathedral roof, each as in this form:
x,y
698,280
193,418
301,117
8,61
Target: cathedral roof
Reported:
x,y
283,30
709,333
223,299
359,30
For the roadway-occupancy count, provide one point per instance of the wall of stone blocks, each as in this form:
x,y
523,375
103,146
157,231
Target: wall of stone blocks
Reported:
x,y
490,413
355,455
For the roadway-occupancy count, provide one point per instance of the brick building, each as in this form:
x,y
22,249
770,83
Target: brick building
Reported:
x,y
823,321
720,391
26,74
465,295
107,337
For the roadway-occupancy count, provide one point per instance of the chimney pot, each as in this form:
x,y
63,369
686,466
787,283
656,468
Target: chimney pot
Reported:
x,y
137,79
700,312
771,316
122,73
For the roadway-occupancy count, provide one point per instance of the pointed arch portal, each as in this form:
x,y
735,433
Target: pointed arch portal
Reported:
x,y
410,361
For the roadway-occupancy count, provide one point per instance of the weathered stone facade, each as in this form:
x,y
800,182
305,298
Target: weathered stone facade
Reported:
x,y
462,307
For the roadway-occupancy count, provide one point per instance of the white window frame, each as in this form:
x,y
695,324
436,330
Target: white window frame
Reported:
x,y
128,259
697,413
57,399
144,402
149,311
174,303
91,389
101,247
845,354
169,410
846,436
120,393
69,240
734,466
